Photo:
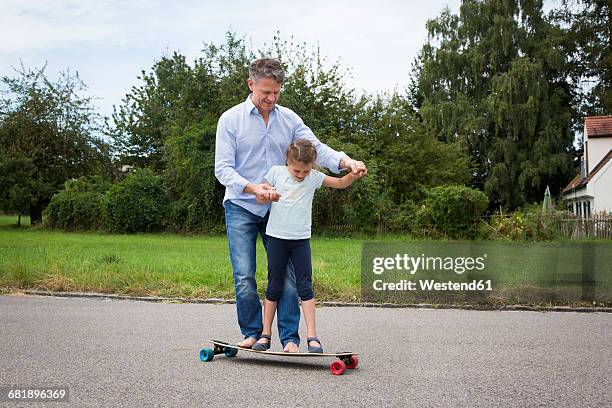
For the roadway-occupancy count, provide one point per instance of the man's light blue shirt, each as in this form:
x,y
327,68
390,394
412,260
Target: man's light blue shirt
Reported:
x,y
246,149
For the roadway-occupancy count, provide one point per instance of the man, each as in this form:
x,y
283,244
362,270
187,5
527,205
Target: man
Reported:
x,y
251,138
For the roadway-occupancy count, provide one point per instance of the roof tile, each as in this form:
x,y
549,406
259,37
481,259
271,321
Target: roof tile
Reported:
x,y
598,126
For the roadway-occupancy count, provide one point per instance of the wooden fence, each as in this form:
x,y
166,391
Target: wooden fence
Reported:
x,y
596,226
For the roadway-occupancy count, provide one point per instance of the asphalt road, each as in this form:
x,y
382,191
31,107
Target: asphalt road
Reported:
x,y
128,353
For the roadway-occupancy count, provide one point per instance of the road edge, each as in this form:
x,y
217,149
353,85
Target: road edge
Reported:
x,y
156,299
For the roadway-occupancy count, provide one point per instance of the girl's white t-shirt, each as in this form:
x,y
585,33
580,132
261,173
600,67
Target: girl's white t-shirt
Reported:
x,y
291,216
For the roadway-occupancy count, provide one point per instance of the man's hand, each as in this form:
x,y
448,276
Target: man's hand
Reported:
x,y
264,193
357,168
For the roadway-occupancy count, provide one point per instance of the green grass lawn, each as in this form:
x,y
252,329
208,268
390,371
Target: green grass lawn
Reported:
x,y
171,265
153,264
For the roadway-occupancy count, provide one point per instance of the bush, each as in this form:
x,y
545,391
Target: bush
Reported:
x,y
138,203
403,218
362,207
177,213
528,223
79,205
189,177
195,215
453,210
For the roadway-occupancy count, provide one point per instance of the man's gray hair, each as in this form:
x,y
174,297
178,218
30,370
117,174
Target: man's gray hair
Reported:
x,y
266,68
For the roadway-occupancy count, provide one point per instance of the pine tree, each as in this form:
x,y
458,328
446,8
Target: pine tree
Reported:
x,y
589,46
493,80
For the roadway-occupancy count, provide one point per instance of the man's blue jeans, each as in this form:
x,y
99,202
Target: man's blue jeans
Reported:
x,y
242,229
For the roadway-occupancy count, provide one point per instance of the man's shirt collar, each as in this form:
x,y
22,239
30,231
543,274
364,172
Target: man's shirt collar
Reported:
x,y
250,105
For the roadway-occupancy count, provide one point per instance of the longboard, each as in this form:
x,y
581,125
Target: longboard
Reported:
x,y
344,359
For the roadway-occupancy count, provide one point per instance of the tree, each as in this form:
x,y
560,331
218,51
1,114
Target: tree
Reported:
x,y
169,124
47,136
176,94
314,88
494,80
17,184
589,45
195,193
410,157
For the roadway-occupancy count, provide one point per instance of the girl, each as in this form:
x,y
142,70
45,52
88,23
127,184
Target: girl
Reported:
x,y
288,234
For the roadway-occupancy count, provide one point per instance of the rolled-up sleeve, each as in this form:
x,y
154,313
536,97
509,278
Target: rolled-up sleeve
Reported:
x,y
326,156
225,158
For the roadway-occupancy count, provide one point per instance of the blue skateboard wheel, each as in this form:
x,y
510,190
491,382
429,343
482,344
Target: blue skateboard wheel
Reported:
x,y
207,354
230,351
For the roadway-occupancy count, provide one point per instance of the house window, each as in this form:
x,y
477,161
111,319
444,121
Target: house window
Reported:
x,y
570,207
587,209
578,209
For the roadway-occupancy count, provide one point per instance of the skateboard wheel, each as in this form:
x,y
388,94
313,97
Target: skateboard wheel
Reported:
x,y
352,362
230,351
207,354
337,367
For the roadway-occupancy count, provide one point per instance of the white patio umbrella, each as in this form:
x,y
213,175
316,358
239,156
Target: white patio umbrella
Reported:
x,y
546,204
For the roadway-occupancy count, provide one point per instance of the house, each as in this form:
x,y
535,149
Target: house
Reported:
x,y
590,192
126,168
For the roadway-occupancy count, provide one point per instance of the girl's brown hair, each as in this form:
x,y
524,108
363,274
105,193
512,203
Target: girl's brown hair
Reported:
x,y
302,151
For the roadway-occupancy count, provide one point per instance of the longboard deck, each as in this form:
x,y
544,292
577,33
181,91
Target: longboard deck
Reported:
x,y
281,353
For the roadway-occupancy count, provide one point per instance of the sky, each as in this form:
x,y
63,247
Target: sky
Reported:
x,y
110,42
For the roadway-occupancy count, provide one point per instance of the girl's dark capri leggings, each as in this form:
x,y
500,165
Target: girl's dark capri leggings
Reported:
x,y
279,253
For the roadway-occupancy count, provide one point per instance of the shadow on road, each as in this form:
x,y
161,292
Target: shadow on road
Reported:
x,y
286,363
